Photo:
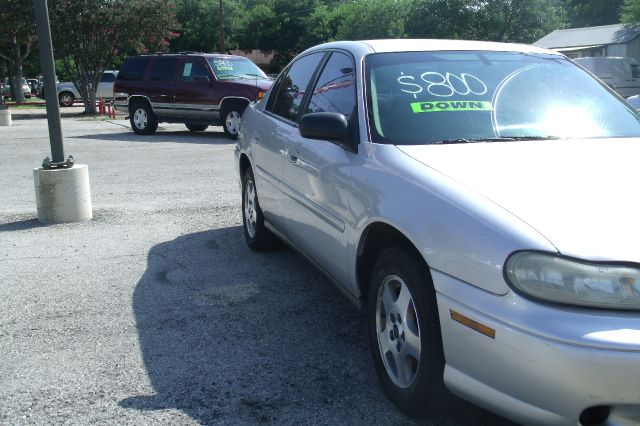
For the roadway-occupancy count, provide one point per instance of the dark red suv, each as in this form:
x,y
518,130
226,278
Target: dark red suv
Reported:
x,y
197,89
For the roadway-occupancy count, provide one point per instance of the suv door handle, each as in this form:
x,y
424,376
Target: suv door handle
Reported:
x,y
292,154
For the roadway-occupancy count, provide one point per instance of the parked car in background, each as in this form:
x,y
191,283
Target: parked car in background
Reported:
x,y
25,88
622,74
33,83
68,92
197,89
476,199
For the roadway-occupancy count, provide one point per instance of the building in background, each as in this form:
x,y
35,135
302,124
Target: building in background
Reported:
x,y
607,40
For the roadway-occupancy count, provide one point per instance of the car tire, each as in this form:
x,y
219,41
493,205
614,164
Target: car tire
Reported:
x,y
66,99
404,334
143,120
258,237
231,116
196,127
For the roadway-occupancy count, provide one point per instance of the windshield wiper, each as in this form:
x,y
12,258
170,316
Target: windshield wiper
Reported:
x,y
495,139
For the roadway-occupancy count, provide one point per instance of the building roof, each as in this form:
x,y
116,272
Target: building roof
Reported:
x,y
589,36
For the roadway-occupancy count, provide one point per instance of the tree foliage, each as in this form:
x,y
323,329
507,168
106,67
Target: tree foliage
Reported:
x,y
631,12
591,13
281,26
372,19
521,21
200,25
90,35
17,38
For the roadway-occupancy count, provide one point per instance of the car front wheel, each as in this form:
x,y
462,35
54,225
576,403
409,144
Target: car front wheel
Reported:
x,y
258,237
404,333
143,120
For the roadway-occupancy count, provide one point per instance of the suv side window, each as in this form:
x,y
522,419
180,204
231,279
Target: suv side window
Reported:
x,y
335,90
193,70
293,85
164,69
133,68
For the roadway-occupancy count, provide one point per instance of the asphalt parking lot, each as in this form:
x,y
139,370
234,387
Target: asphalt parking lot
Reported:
x,y
155,311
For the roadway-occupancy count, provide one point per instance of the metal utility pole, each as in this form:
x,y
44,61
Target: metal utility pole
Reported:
x,y
221,27
62,188
49,76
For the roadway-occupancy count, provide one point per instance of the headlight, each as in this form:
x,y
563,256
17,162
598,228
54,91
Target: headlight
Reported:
x,y
562,280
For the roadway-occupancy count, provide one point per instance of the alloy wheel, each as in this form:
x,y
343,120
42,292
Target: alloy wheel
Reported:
x,y
250,214
398,332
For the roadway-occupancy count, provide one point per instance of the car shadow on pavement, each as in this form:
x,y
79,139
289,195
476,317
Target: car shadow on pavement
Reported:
x,y
228,335
169,136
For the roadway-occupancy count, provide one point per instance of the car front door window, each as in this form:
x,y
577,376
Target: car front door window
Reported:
x,y
293,85
335,89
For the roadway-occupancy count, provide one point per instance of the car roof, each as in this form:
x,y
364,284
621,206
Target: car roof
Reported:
x,y
419,45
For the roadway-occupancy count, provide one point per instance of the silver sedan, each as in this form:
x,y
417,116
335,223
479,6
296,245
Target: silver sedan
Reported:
x,y
477,200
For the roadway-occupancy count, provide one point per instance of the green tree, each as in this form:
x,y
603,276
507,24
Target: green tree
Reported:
x,y
522,21
17,38
90,35
590,13
631,12
284,27
372,19
199,22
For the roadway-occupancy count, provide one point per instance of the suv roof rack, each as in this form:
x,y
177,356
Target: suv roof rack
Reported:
x,y
186,52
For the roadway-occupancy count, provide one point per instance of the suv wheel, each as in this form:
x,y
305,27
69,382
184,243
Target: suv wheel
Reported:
x,y
143,121
231,119
196,127
66,99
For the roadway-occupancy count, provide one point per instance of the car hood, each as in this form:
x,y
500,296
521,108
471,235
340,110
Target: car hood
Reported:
x,y
579,194
262,84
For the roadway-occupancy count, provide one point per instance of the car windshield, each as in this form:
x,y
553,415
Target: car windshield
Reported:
x,y
235,68
459,97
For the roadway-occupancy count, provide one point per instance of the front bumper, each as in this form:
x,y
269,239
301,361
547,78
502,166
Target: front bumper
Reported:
x,y
529,372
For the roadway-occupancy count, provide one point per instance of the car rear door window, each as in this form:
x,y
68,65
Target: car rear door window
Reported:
x,y
133,68
164,69
293,86
335,90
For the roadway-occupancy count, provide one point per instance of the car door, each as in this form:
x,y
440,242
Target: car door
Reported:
x,y
317,173
105,86
192,97
162,86
277,126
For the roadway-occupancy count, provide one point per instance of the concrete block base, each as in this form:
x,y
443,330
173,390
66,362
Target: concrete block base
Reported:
x,y
63,195
5,117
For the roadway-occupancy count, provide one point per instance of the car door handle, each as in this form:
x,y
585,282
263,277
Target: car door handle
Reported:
x,y
292,155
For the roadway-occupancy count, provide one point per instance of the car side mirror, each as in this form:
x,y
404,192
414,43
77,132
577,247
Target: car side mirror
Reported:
x,y
331,126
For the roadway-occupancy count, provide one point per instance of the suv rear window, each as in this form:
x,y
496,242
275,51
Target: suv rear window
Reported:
x,y
164,69
133,68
